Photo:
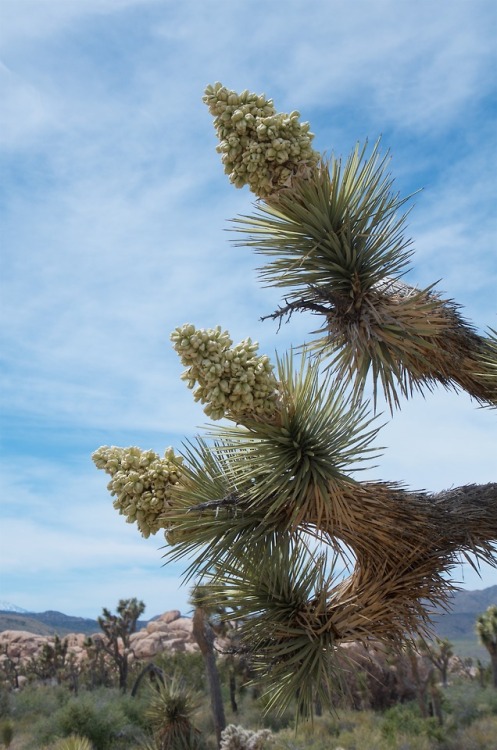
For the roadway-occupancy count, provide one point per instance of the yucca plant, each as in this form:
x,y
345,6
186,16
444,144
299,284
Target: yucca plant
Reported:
x,y
170,712
73,742
268,506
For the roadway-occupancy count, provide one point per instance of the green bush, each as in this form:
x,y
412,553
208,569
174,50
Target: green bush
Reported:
x,y
479,736
191,667
405,719
5,707
467,701
100,716
98,724
109,720
324,733
6,732
134,709
35,701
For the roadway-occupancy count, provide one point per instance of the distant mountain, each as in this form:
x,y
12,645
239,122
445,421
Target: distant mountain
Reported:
x,y
16,621
50,623
8,607
459,622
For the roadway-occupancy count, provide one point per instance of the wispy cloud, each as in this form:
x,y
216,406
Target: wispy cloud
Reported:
x,y
64,547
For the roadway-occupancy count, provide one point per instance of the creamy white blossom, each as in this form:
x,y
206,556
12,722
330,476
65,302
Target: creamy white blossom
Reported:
x,y
232,381
260,147
141,483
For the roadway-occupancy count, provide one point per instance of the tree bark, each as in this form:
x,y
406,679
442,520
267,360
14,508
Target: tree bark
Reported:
x,y
204,635
493,661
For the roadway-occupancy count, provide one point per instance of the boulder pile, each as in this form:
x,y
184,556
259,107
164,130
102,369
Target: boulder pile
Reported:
x,y
169,632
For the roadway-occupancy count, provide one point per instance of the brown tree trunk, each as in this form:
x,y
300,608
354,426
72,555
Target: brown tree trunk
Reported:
x,y
204,635
234,704
421,683
493,661
436,703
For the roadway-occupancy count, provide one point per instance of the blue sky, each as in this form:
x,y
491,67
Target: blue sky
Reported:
x,y
114,210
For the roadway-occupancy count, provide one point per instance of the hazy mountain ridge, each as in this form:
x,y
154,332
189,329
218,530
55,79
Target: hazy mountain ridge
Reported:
x,y
50,623
471,601
465,606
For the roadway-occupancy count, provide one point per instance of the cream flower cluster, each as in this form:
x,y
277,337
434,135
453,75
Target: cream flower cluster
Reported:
x,y
141,483
260,147
237,738
233,381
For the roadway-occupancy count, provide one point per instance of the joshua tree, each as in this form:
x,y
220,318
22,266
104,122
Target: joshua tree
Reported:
x,y
118,629
266,502
10,669
52,661
439,652
486,627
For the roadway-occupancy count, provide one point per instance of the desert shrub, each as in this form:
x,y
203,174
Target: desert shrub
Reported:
x,y
405,719
191,667
324,733
5,703
99,723
479,736
97,716
6,732
134,709
467,701
275,721
38,700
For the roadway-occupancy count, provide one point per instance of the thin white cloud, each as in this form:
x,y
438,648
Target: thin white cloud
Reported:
x,y
28,20
412,65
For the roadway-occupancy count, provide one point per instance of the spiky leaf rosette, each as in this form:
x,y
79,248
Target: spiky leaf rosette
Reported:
x,y
297,465
267,477
336,242
260,147
211,522
169,713
141,483
73,742
339,230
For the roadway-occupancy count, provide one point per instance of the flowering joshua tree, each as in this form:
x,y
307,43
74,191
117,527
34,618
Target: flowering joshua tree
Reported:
x,y
266,502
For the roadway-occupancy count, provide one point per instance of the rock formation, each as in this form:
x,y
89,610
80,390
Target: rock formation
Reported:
x,y
169,632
